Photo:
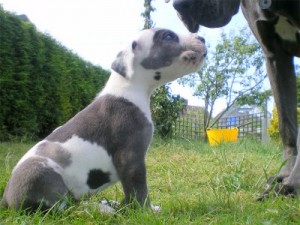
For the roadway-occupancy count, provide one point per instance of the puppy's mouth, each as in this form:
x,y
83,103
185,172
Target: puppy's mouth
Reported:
x,y
194,57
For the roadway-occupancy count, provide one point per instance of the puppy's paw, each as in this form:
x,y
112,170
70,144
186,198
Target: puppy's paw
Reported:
x,y
155,208
108,207
111,207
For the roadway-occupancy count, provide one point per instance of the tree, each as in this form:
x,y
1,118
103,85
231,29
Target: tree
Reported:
x,y
234,71
165,106
148,22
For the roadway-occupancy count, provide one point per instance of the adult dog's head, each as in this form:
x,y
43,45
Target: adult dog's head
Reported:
x,y
208,13
218,13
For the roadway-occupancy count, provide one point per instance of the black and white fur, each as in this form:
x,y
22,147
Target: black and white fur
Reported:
x,y
107,141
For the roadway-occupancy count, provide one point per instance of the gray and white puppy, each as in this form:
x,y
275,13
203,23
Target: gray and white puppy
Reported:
x,y
107,141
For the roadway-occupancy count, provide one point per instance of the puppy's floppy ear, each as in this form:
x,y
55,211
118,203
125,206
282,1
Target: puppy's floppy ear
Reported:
x,y
119,65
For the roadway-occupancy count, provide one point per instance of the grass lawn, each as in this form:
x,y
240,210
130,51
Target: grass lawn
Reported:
x,y
192,182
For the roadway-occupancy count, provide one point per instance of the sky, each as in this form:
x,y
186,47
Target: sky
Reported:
x,y
97,30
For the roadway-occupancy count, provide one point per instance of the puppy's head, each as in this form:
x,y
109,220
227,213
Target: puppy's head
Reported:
x,y
158,56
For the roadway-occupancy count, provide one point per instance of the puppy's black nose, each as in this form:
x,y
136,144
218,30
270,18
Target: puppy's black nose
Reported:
x,y
201,39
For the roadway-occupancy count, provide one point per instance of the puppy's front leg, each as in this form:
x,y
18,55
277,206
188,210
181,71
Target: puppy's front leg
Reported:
x,y
132,174
134,184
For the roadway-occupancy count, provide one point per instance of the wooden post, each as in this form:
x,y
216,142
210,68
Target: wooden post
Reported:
x,y
264,131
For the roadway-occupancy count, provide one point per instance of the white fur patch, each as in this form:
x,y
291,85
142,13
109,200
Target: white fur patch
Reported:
x,y
121,87
86,156
50,163
285,30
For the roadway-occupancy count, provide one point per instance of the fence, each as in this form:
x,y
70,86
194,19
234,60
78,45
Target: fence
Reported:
x,y
190,125
249,125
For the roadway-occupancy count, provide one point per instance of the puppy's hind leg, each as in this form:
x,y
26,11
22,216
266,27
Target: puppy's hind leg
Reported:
x,y
34,185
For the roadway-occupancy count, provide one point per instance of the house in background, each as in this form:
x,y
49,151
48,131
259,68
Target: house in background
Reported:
x,y
232,116
251,120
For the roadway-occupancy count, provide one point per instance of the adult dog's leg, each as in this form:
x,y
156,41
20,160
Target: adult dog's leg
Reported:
x,y
281,74
283,82
291,184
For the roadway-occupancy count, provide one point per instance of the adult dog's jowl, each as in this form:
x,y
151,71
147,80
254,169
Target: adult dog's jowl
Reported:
x,y
276,25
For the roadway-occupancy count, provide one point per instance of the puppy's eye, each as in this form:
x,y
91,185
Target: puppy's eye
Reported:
x,y
169,36
133,45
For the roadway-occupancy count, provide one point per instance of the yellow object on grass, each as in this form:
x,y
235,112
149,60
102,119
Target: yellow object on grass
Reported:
x,y
217,136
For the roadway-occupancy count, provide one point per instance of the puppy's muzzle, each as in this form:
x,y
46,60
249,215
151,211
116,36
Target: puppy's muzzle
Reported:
x,y
201,39
196,52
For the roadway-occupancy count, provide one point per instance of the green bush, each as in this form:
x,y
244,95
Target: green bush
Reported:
x,y
42,84
165,111
273,130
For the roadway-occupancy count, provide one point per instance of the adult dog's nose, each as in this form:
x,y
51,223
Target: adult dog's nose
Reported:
x,y
201,39
181,5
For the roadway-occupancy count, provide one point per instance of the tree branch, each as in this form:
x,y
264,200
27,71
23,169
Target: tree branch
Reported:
x,y
234,101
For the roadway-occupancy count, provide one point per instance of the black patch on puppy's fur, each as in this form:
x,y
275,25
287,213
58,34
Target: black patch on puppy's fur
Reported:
x,y
118,64
164,49
96,178
157,75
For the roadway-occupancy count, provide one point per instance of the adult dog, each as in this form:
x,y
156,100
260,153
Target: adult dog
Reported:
x,y
276,25
108,140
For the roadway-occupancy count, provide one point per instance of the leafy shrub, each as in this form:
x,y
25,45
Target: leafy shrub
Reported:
x,y
165,110
273,130
42,84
